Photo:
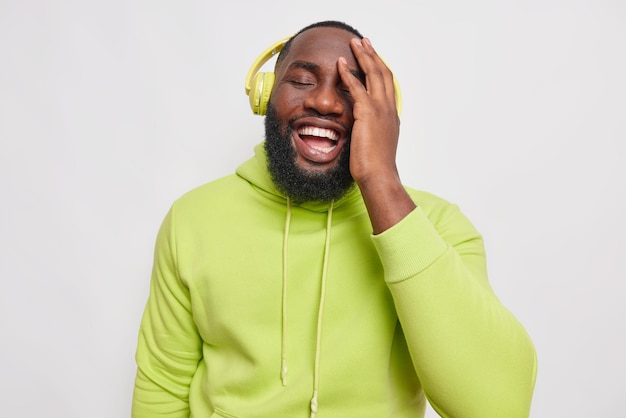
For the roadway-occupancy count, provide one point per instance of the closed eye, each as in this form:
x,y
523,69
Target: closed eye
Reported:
x,y
300,83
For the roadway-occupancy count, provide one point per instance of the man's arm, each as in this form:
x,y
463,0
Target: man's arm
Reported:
x,y
169,347
375,138
473,357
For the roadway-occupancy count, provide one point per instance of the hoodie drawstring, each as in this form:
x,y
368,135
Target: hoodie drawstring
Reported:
x,y
320,310
283,349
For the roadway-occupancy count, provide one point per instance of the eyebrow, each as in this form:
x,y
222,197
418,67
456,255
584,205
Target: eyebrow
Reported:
x,y
305,65
311,66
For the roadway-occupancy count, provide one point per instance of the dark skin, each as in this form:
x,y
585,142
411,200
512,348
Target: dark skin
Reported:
x,y
332,80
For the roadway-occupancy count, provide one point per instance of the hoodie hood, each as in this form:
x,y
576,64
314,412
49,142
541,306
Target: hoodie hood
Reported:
x,y
255,172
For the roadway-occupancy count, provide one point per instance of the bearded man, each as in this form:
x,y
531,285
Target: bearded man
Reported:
x,y
312,282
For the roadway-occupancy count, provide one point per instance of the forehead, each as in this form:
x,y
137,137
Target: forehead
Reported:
x,y
322,45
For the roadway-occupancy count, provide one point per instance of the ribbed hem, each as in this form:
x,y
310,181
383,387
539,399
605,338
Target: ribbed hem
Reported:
x,y
402,255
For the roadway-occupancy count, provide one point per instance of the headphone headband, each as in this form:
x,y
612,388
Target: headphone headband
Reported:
x,y
262,59
258,85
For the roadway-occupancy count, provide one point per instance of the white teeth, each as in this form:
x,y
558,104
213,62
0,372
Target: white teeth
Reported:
x,y
325,150
320,132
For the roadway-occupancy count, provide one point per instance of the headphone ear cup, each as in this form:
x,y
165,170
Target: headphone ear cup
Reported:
x,y
260,91
266,92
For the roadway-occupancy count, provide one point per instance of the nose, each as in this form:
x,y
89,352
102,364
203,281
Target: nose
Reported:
x,y
326,99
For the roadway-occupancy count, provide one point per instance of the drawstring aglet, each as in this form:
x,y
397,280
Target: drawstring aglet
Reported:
x,y
314,405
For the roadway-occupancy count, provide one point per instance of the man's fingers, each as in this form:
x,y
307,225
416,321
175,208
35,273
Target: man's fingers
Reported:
x,y
378,77
354,84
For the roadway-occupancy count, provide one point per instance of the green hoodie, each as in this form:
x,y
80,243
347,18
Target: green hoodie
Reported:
x,y
262,308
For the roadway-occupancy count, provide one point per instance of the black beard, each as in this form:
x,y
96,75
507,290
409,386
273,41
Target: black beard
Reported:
x,y
298,184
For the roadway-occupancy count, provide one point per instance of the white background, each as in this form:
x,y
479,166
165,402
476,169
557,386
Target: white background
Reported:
x,y
110,110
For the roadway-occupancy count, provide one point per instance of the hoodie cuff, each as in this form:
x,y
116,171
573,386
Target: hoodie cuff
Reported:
x,y
409,247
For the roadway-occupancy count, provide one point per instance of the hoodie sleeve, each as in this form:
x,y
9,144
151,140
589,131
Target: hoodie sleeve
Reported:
x,y
473,357
169,347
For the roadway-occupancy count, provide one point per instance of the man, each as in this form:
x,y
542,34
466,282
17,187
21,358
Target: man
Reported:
x,y
312,282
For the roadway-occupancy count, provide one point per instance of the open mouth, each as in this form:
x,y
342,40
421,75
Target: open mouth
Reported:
x,y
322,140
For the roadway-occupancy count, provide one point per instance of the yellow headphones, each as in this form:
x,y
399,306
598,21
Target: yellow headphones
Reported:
x,y
259,85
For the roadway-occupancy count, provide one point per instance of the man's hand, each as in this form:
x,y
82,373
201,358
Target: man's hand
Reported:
x,y
376,123
375,137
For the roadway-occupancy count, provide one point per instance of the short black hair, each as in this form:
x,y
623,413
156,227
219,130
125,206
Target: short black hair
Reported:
x,y
323,24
